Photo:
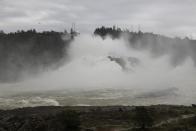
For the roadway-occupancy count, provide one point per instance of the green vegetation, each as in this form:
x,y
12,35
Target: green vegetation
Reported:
x,y
120,118
142,118
69,120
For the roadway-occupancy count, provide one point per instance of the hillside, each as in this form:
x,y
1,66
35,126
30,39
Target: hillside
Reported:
x,y
26,52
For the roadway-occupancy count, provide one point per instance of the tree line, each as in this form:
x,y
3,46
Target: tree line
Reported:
x,y
30,51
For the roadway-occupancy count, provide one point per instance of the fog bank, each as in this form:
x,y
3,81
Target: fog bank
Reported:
x,y
96,64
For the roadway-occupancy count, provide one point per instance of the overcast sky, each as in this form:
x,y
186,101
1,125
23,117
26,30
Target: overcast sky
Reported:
x,y
172,17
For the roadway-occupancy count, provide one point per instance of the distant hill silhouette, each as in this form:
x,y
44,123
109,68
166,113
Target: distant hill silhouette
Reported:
x,y
30,51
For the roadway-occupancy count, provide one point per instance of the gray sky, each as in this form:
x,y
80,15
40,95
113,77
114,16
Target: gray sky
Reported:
x,y
171,17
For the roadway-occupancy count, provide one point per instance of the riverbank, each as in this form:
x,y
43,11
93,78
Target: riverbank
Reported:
x,y
95,118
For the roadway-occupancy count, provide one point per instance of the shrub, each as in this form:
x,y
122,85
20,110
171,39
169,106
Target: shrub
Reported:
x,y
142,118
69,120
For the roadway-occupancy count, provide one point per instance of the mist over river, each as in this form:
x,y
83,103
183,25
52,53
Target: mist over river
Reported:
x,y
109,72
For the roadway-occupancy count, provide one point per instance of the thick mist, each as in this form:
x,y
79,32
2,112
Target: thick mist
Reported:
x,y
179,50
158,74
